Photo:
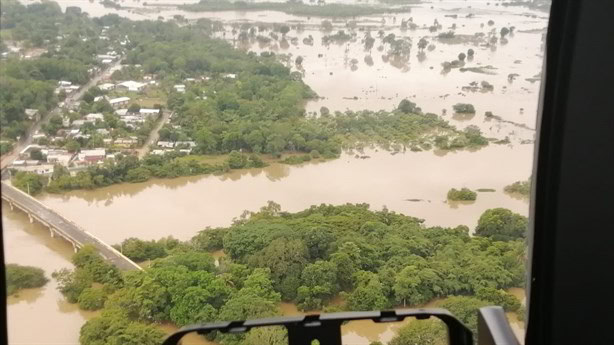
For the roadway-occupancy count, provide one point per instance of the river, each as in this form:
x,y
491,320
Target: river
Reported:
x,y
413,183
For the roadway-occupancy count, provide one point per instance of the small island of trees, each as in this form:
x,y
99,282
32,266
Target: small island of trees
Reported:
x,y
519,187
23,277
463,194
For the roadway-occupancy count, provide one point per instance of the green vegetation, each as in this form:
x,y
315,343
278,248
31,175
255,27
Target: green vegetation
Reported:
x,y
423,332
371,259
139,250
520,187
465,308
70,42
296,8
501,224
464,108
23,277
463,194
28,182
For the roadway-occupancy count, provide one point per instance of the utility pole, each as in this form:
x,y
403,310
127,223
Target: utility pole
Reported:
x,y
28,184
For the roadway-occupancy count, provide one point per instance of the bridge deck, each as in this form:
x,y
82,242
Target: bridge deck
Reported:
x,y
63,226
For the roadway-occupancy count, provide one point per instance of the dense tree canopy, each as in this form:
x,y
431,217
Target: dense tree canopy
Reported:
x,y
371,259
501,224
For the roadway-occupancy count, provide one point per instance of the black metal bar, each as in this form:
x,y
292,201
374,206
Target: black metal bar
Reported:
x,y
326,328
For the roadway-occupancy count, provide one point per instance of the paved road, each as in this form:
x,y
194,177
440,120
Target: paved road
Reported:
x,y
154,135
66,227
8,158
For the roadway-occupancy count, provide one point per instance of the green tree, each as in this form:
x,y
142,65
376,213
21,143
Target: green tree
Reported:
x,y
465,194
72,146
113,327
92,299
501,224
423,332
266,335
406,106
463,108
23,277
286,260
237,160
499,297
414,285
504,32
28,182
465,309
318,285
72,283
368,294
422,44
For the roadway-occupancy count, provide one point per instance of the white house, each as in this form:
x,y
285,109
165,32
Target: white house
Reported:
x,y
149,112
131,85
62,157
230,75
185,143
106,86
119,102
166,144
94,116
92,156
78,123
64,83
179,88
121,112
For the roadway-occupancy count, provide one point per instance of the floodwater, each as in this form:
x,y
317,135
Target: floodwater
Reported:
x,y
181,207
414,184
42,315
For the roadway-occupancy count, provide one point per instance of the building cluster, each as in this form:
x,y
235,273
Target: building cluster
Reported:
x,y
42,159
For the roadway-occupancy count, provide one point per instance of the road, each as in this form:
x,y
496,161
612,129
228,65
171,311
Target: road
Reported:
x,y
65,227
8,158
154,135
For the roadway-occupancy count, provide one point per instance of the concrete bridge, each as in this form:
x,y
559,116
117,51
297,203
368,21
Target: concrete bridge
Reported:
x,y
62,227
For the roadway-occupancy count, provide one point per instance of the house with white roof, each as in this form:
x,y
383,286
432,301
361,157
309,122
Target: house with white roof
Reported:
x,y
131,85
106,86
119,102
149,112
94,116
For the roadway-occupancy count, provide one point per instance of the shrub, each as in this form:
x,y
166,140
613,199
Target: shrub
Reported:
x,y
465,194
23,277
464,108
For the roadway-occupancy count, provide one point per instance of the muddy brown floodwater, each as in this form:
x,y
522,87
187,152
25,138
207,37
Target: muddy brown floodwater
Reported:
x,y
42,315
411,183
181,207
